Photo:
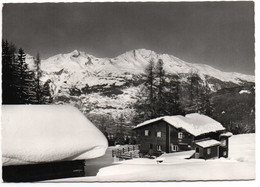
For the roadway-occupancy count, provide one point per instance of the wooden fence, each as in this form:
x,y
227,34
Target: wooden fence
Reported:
x,y
126,152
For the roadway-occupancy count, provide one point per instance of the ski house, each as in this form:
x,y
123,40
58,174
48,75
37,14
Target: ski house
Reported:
x,y
182,133
41,142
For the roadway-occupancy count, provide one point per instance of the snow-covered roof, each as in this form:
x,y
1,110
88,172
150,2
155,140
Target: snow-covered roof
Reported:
x,y
42,133
227,134
196,124
208,143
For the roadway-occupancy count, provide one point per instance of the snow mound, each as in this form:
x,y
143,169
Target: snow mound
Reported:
x,y
195,123
41,133
177,155
244,92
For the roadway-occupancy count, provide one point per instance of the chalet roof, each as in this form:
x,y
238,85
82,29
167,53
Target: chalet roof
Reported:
x,y
208,143
196,124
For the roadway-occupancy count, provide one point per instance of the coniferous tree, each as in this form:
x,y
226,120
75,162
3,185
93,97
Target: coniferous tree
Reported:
x,y
160,96
20,84
37,78
194,92
173,103
150,85
120,134
42,90
8,59
206,107
21,76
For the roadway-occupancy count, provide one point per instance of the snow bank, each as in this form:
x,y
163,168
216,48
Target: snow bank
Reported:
x,y
242,147
239,166
42,133
195,123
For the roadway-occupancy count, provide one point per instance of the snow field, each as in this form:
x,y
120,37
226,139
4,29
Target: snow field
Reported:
x,y
239,166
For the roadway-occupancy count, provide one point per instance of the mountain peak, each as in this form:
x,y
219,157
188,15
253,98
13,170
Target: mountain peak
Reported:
x,y
75,53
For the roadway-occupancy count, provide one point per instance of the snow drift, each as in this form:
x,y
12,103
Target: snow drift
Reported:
x,y
41,133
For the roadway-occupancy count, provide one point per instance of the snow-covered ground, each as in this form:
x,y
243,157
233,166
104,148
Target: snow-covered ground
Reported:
x,y
239,166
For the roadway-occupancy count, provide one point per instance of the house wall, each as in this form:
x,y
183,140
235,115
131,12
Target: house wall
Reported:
x,y
214,152
184,143
145,141
223,149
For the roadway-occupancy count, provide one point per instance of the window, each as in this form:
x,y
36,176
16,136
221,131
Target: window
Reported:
x,y
159,148
223,142
180,135
159,134
146,132
174,147
208,151
151,146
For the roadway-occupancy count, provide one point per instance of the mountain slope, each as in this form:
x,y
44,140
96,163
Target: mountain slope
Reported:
x,y
133,62
109,86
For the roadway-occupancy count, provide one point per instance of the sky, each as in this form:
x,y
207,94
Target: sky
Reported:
x,y
220,34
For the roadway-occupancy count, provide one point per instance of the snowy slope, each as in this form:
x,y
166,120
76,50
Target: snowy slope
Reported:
x,y
42,133
78,69
239,166
133,62
111,85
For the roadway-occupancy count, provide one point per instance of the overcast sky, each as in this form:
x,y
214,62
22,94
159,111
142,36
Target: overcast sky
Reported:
x,y
220,34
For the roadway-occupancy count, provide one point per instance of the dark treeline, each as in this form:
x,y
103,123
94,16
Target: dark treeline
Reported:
x,y
170,94
165,94
21,85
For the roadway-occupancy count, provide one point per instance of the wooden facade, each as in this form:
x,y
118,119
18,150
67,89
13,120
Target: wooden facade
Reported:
x,y
159,136
207,153
43,171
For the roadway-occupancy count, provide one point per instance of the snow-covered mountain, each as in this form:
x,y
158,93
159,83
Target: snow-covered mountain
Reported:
x,y
109,85
80,66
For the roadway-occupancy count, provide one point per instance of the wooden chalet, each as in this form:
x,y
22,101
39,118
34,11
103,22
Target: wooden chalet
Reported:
x,y
182,133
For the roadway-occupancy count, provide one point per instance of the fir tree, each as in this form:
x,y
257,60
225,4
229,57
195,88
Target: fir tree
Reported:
x,y
150,85
160,102
43,91
37,78
21,77
195,97
206,107
8,59
173,103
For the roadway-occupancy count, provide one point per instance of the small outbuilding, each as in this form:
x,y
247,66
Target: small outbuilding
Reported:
x,y
207,149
